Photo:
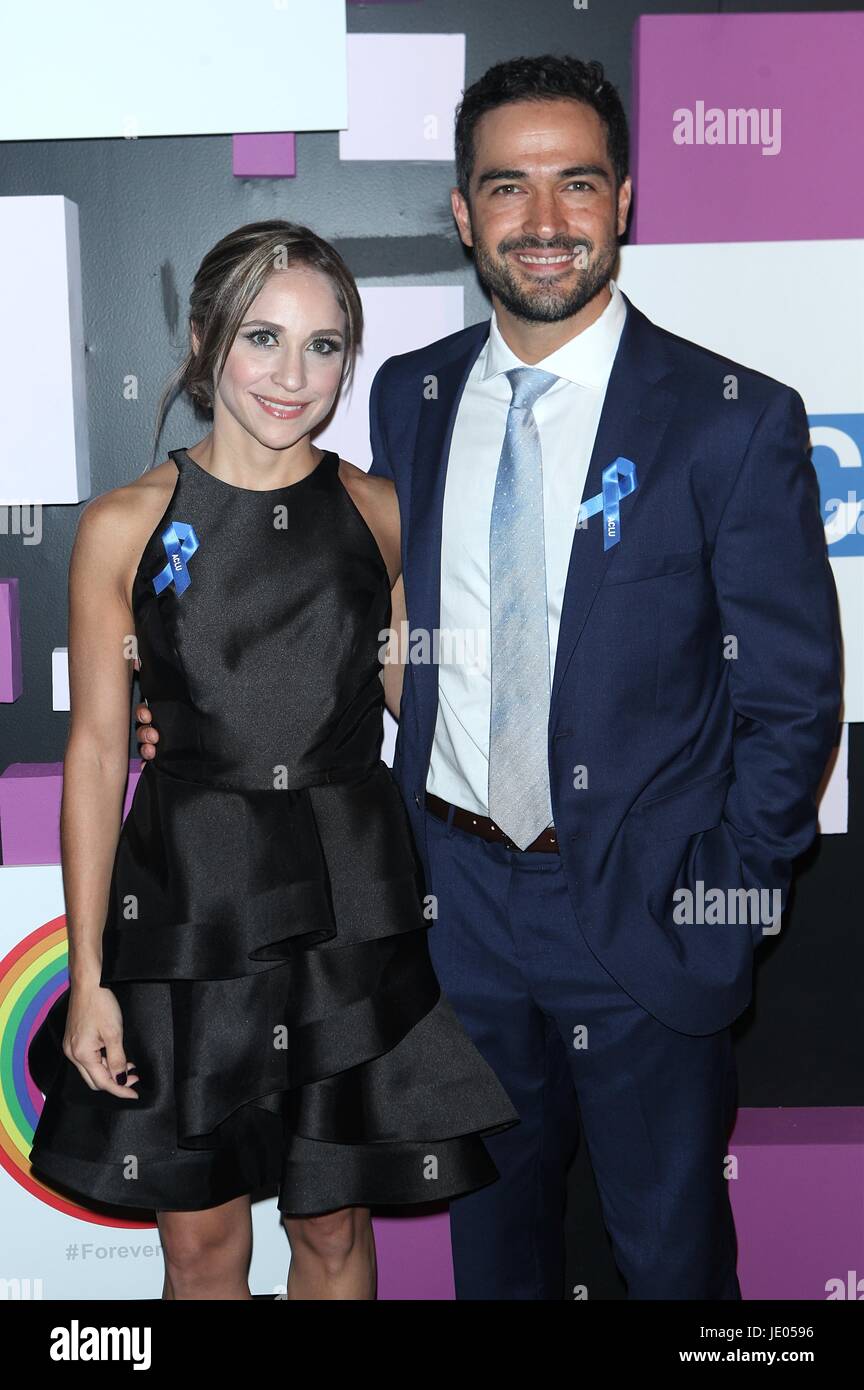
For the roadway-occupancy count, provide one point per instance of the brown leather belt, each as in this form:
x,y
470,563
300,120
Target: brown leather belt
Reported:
x,y
546,842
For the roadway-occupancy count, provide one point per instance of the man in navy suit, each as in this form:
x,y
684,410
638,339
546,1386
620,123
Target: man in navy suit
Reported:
x,y
608,802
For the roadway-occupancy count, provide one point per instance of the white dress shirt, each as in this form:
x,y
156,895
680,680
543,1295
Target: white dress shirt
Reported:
x,y
567,416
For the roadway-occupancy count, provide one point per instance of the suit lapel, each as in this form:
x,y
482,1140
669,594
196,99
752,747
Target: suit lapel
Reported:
x,y
636,411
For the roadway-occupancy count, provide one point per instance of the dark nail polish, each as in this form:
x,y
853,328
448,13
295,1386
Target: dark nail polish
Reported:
x,y
121,1078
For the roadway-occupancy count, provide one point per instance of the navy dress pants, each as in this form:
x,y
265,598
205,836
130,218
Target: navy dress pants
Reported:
x,y
656,1105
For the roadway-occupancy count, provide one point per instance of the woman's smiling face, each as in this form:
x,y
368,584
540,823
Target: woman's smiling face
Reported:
x,y
284,368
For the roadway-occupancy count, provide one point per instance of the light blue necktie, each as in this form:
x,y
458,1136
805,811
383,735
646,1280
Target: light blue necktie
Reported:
x,y
518,762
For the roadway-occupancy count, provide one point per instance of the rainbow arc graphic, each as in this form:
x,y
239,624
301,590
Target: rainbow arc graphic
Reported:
x,y
32,976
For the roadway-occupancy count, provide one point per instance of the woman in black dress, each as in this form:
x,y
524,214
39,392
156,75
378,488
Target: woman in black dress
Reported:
x,y
251,998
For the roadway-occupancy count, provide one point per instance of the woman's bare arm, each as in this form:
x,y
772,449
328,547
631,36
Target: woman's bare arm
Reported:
x,y
376,499
397,650
95,768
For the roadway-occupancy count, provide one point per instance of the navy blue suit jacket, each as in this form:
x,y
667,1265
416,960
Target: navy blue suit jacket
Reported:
x,y
702,763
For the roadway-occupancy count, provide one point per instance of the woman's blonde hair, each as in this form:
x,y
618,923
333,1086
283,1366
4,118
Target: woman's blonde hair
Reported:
x,y
229,278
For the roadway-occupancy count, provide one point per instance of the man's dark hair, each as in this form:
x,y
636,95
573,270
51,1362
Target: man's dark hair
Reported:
x,y
541,79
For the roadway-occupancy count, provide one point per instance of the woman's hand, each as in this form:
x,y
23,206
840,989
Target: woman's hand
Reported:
x,y
93,1023
146,733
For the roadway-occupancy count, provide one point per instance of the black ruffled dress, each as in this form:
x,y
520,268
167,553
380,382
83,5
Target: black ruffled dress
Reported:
x,y
266,937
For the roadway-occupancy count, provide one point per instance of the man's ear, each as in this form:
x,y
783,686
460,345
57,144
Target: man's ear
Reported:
x,y
625,194
462,216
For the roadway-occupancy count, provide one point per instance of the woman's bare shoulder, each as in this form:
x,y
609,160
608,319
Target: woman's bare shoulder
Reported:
x,y
121,505
117,524
126,506
379,491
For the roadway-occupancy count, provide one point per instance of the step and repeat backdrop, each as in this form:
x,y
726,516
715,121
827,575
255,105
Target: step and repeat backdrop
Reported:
x,y
128,158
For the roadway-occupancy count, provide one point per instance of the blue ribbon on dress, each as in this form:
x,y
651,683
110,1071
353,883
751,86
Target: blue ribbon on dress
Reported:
x,y
180,541
609,498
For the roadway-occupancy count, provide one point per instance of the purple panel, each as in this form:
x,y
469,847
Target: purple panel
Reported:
x,y
414,1258
30,810
797,1200
268,155
11,682
806,66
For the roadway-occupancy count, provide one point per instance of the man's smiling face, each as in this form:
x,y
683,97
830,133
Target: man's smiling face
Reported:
x,y
544,214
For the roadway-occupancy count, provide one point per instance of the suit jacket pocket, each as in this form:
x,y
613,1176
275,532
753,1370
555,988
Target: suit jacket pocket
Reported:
x,y
691,808
627,567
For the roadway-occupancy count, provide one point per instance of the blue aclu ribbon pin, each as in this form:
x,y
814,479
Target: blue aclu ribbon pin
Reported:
x,y
180,541
609,498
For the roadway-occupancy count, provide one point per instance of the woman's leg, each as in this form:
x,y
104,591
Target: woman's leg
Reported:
x,y
207,1253
332,1255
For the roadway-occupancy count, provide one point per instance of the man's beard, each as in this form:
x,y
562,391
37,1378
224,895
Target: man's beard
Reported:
x,y
550,303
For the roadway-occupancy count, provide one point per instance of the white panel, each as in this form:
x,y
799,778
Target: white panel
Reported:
x,y
60,678
155,67
403,90
834,802
388,747
396,319
794,310
63,1255
849,578
44,448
